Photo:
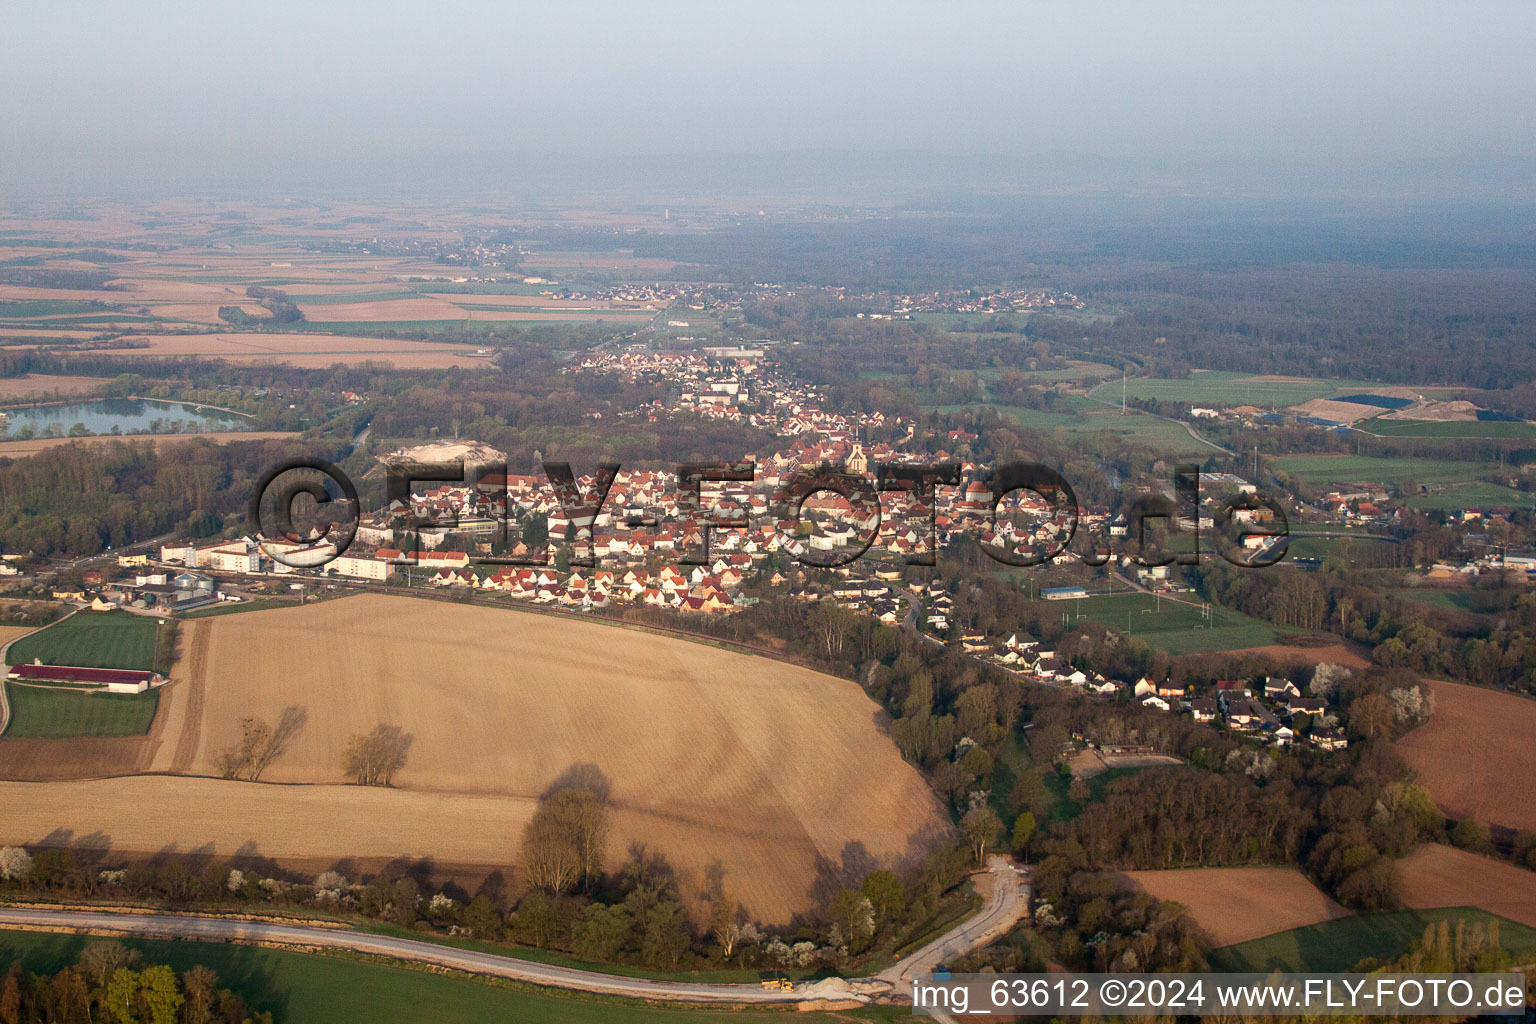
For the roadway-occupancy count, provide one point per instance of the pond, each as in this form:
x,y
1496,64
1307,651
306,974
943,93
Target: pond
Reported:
x,y
128,415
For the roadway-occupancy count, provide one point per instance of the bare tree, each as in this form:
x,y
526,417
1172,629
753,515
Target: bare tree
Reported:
x,y
725,924
250,757
101,960
373,760
564,844
980,827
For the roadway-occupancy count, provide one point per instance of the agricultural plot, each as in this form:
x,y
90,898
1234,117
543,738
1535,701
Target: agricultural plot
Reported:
x,y
1081,418
91,640
26,449
1478,495
711,755
1442,876
1475,754
1234,388
1448,428
53,712
1172,625
1320,470
1239,904
1449,600
311,350
1339,944
36,385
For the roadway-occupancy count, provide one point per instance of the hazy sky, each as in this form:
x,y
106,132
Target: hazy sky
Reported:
x,y
216,86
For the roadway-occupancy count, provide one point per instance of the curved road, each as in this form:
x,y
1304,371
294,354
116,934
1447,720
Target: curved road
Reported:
x,y
1003,903
1001,908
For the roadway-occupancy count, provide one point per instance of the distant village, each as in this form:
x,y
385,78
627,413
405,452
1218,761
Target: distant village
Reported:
x,y
634,545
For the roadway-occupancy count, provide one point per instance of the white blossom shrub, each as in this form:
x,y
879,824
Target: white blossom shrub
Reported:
x,y
15,864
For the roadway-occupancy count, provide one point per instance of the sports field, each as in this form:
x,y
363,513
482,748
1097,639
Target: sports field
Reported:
x,y
711,755
1339,944
300,988
113,639
1172,625
55,712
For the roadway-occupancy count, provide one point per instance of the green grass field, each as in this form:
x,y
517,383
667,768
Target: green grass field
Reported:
x,y
114,639
1437,428
1318,470
49,307
300,988
228,608
1233,388
56,712
1171,626
347,298
1077,417
1340,944
1359,551
1479,495
1450,600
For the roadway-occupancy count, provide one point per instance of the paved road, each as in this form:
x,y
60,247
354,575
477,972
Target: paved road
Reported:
x,y
1001,909
228,929
1002,906
912,622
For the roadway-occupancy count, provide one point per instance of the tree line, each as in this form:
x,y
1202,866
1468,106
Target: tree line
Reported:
x,y
110,984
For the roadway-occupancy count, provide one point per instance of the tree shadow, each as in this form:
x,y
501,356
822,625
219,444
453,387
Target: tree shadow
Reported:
x,y
289,724
494,886
856,864
583,775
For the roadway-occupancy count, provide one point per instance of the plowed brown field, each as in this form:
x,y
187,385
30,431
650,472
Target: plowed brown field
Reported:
x,y
1440,876
1238,904
310,350
1476,754
773,770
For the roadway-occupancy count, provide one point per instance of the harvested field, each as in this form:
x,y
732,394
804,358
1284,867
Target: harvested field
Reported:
x,y
1476,756
9,633
29,385
1441,876
23,758
535,301
606,315
26,449
1337,654
1238,904
772,769
422,308
307,350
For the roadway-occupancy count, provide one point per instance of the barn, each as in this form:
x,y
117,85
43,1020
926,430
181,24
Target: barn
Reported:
x,y
111,680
